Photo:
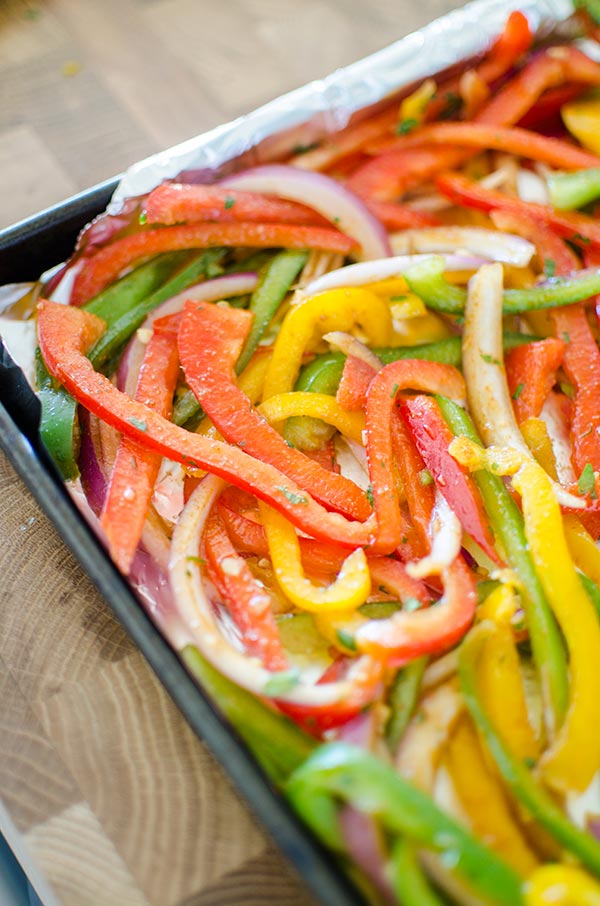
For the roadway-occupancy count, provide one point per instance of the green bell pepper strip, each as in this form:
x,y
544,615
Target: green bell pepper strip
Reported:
x,y
569,191
274,284
118,298
592,591
342,771
538,803
408,879
590,6
58,421
204,264
426,280
277,743
507,523
402,700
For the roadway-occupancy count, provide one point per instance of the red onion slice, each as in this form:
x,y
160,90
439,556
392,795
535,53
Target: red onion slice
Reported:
x,y
335,202
382,269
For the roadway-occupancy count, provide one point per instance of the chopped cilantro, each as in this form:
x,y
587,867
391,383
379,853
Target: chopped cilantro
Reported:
x,y
583,240
302,149
291,496
490,359
199,561
454,103
281,682
229,202
370,497
518,391
587,481
549,267
566,336
346,639
143,218
406,126
395,389
425,477
568,390
137,423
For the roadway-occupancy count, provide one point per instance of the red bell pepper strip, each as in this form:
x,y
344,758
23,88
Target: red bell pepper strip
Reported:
x,y
390,175
553,67
106,265
432,436
396,216
546,112
136,467
406,374
531,374
578,228
248,601
521,142
172,203
65,334
210,341
354,383
512,43
420,498
405,636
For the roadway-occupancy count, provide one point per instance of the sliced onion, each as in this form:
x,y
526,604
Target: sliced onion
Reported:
x,y
489,398
349,345
352,461
325,195
558,431
446,536
531,187
366,847
418,751
491,244
197,613
382,269
208,291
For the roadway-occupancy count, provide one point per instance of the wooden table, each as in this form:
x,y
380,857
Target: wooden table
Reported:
x,y
115,800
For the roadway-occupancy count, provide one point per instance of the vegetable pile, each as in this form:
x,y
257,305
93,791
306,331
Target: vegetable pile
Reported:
x,y
338,418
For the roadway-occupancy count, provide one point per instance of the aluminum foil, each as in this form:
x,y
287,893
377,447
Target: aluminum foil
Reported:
x,y
326,105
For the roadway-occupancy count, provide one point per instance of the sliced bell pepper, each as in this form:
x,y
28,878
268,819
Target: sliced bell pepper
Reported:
x,y
106,265
531,374
409,880
210,339
574,756
58,424
66,333
350,589
248,601
432,437
314,405
540,804
515,39
341,771
121,296
402,700
388,176
396,216
354,384
345,142
172,203
561,885
483,799
409,374
136,468
420,498
578,228
306,323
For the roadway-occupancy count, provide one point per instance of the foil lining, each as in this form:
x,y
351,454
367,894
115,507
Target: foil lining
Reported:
x,y
326,105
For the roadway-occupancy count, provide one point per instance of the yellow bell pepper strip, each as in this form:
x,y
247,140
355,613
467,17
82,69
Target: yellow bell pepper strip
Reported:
x,y
582,547
407,374
351,588
305,324
574,757
483,799
210,339
536,436
318,405
66,333
106,265
507,521
561,885
136,468
500,681
341,771
540,804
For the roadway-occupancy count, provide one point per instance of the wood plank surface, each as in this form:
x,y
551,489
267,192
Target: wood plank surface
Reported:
x,y
115,798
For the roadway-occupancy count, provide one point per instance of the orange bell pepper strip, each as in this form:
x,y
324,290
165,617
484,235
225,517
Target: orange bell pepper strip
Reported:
x,y
531,374
432,437
521,142
135,469
65,334
552,68
210,341
396,216
406,374
248,601
515,40
106,265
578,228
354,384
420,498
388,176
172,203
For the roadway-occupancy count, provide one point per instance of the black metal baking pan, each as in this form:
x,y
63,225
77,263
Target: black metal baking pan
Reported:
x,y
26,250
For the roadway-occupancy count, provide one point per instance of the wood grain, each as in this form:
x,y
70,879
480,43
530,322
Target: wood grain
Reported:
x,y
115,798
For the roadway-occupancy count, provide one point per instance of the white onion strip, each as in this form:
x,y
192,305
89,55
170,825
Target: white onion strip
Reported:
x,y
325,195
196,611
483,367
445,531
491,244
382,269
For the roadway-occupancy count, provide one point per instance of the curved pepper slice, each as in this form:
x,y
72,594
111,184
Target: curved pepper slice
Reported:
x,y
305,324
316,405
248,601
531,374
406,374
136,467
210,340
106,265
433,437
350,589
65,333
561,885
388,176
